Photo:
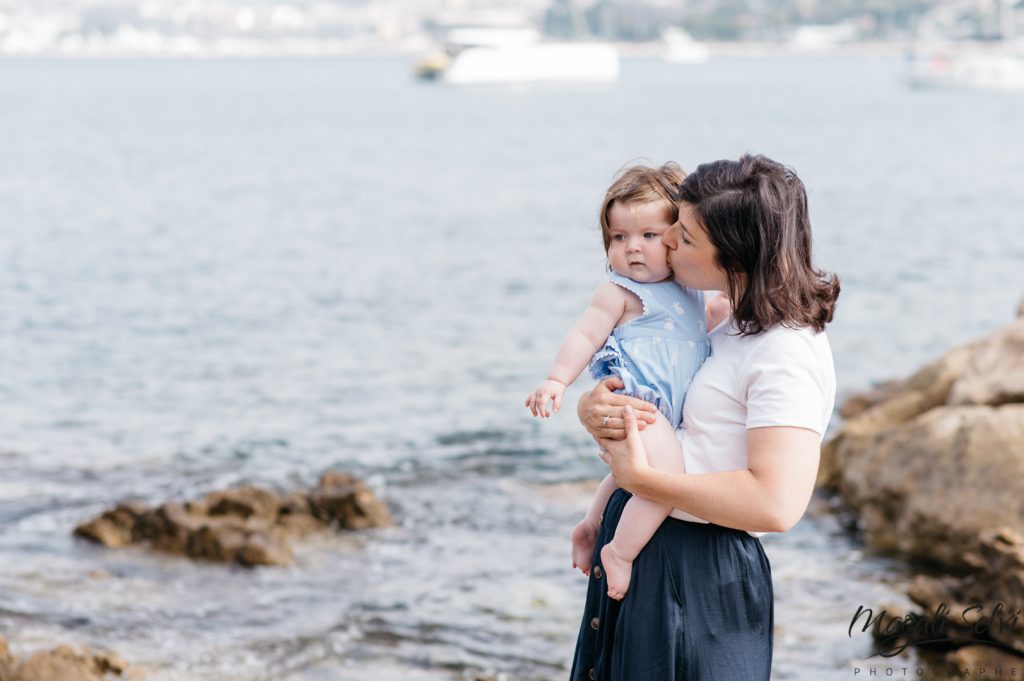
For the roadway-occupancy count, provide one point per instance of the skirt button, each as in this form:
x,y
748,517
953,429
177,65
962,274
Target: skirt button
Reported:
x,y
592,674
595,623
597,572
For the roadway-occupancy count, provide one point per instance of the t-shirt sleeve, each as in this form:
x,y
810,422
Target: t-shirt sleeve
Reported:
x,y
789,383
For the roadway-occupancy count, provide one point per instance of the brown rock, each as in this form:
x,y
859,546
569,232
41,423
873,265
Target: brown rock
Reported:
x,y
246,525
197,508
925,390
930,487
262,550
345,502
218,542
856,404
6,661
934,467
245,502
168,527
995,373
115,527
69,663
983,661
110,662
61,664
993,586
65,663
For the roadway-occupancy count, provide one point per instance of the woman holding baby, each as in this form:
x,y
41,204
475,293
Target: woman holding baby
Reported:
x,y
699,604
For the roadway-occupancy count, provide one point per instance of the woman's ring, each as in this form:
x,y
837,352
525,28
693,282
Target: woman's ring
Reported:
x,y
606,421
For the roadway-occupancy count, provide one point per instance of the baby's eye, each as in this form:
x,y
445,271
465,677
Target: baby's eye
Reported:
x,y
650,235
618,237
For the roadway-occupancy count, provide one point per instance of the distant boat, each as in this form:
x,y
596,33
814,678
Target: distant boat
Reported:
x,y
993,61
679,47
967,68
487,55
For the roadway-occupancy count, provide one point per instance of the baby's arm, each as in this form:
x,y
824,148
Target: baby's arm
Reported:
x,y
717,309
585,338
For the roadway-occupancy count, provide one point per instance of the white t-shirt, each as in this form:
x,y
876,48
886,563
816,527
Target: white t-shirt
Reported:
x,y
780,377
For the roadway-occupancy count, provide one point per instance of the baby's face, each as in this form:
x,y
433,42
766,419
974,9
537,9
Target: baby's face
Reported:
x,y
636,250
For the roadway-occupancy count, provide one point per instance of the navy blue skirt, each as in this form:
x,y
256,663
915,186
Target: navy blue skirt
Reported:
x,y
700,607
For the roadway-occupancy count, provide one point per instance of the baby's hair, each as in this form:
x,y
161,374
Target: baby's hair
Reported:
x,y
640,185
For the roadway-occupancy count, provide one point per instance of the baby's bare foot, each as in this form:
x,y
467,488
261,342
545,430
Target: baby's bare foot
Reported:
x,y
584,538
617,570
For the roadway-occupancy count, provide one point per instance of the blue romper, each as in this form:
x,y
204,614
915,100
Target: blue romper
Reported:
x,y
657,354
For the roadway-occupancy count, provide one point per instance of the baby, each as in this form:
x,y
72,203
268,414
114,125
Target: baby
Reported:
x,y
645,329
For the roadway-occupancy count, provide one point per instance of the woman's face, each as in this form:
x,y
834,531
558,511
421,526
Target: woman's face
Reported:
x,y
692,256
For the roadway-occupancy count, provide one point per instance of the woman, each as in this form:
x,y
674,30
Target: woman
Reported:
x,y
700,607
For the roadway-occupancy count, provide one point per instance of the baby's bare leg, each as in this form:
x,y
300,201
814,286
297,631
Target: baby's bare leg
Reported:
x,y
584,535
641,518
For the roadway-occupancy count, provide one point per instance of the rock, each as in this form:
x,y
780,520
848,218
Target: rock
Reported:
x,y
344,502
61,664
993,587
246,525
994,374
6,661
904,481
856,404
64,663
983,661
115,527
244,502
261,550
933,466
925,390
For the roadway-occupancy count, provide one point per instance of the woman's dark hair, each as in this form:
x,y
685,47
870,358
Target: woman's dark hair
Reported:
x,y
755,213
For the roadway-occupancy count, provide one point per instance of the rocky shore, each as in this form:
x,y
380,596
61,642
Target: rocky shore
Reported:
x,y
65,663
247,525
932,466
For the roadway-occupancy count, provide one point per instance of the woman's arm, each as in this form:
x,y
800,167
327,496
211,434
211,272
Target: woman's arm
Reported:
x,y
586,337
770,495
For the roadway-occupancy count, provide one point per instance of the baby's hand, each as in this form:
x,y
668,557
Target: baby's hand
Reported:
x,y
717,308
548,390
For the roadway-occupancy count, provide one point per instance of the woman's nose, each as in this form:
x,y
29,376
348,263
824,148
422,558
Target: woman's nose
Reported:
x,y
671,237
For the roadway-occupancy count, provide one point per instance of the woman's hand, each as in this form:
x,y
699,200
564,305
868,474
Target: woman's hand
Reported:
x,y
600,410
627,458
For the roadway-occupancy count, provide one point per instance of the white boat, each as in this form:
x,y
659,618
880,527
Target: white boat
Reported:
x,y
679,47
966,68
995,63
475,56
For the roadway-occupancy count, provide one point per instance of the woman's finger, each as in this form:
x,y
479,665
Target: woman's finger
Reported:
x,y
609,434
643,408
617,424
